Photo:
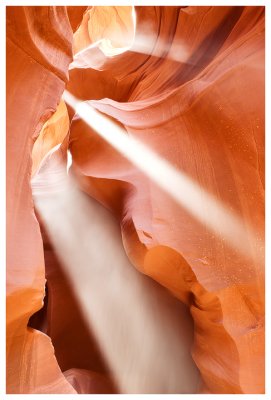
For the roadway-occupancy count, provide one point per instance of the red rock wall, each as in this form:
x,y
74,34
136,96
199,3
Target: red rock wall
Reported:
x,y
196,97
39,51
203,115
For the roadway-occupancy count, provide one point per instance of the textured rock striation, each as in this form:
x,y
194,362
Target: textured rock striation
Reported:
x,y
39,51
187,82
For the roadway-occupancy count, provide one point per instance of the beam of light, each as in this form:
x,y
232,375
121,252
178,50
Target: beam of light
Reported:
x,y
228,226
90,57
69,160
147,44
141,43
144,334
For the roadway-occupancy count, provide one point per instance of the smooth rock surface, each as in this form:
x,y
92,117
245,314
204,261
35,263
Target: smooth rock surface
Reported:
x,y
191,88
37,69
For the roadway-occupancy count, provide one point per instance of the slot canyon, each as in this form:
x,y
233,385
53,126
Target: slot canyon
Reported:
x,y
135,199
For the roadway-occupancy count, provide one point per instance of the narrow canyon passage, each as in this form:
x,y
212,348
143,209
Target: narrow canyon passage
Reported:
x,y
134,319
135,199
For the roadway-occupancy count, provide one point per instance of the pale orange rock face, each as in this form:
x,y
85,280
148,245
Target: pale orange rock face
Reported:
x,y
110,27
191,88
36,76
52,134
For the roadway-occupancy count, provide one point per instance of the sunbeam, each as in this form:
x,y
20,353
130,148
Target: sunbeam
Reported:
x,y
144,334
187,193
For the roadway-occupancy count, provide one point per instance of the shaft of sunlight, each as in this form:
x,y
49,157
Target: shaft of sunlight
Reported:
x,y
187,193
144,334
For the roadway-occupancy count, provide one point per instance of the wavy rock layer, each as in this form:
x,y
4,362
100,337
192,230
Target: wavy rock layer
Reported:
x,y
201,113
36,76
186,89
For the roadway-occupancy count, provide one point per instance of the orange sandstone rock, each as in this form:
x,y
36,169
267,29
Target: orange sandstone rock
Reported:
x,y
186,89
199,110
52,134
38,55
